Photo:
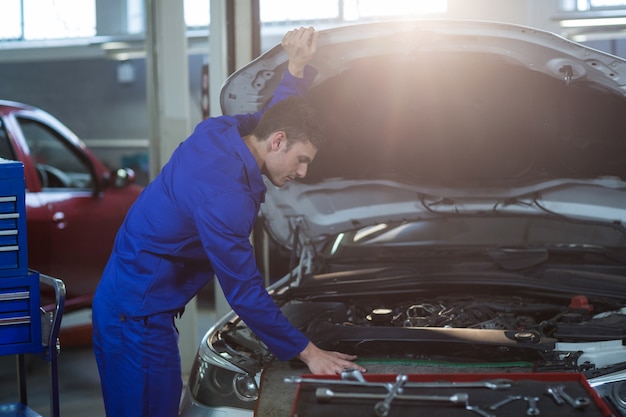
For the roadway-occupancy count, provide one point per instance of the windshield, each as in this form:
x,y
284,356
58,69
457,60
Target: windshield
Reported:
x,y
518,232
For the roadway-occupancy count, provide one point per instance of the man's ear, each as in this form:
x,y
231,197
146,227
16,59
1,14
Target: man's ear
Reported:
x,y
277,139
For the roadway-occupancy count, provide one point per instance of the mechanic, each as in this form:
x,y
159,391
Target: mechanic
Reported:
x,y
193,221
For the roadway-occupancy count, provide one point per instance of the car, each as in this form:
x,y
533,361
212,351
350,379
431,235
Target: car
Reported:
x,y
467,217
74,202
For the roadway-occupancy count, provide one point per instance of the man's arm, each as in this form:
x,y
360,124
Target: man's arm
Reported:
x,y
300,46
225,221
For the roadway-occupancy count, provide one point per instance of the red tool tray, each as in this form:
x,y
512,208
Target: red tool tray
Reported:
x,y
307,404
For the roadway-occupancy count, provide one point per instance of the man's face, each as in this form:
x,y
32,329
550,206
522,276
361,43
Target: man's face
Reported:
x,y
288,163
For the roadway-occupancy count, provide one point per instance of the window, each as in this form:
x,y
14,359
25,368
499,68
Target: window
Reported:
x,y
278,16
591,5
593,20
6,149
47,19
11,20
346,10
197,13
285,10
57,165
23,20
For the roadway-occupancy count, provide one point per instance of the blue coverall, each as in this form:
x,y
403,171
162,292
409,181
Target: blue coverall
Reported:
x,y
193,221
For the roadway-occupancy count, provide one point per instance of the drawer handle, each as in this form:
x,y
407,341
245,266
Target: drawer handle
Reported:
x,y
10,321
17,295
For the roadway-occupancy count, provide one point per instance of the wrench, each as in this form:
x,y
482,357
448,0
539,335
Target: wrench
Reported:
x,y
352,374
478,411
507,400
578,402
461,399
532,410
493,384
555,395
382,408
325,395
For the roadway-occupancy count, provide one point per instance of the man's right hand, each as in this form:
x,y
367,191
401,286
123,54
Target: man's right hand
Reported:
x,y
300,45
324,362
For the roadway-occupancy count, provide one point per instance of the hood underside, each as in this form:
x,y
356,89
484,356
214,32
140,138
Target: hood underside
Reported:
x,y
451,105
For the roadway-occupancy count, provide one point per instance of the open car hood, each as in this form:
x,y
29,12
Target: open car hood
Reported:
x,y
460,116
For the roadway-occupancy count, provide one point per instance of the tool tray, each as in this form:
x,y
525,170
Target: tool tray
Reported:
x,y
307,404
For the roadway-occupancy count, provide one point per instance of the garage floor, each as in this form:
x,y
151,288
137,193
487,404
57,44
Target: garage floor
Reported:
x,y
79,384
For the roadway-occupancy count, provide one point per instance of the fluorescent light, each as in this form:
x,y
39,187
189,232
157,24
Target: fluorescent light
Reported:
x,y
607,21
109,46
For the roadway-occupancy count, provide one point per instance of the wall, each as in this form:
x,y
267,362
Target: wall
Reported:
x,y
111,117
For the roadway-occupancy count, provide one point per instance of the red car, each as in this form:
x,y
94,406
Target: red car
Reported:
x,y
74,203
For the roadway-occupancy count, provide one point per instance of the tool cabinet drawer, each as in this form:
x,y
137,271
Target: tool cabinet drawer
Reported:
x,y
15,330
20,317
14,300
10,261
8,238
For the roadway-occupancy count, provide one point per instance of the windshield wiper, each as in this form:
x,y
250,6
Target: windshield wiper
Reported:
x,y
515,259
522,258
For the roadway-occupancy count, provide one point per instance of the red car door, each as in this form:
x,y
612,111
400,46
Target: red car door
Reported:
x,y
73,215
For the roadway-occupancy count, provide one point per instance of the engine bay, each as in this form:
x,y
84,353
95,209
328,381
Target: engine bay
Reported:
x,y
579,320
481,329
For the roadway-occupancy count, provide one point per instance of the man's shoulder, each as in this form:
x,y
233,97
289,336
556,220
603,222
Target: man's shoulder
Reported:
x,y
215,126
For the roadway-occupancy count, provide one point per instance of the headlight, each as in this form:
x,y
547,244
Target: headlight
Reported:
x,y
615,395
612,389
245,387
619,393
215,386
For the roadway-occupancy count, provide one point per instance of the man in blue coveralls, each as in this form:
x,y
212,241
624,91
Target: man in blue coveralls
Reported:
x,y
193,221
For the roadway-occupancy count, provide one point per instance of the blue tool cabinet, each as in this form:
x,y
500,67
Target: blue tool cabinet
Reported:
x,y
25,328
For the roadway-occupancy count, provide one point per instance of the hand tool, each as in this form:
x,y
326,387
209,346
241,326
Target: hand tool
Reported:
x,y
458,399
532,410
326,395
493,384
554,394
578,402
507,400
478,411
382,408
352,374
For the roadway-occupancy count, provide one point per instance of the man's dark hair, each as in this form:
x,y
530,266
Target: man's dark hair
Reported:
x,y
297,118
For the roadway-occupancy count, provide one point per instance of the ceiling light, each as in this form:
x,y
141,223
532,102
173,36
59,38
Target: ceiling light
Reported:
x,y
607,21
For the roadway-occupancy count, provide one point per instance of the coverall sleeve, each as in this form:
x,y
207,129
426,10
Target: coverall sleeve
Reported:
x,y
224,223
288,86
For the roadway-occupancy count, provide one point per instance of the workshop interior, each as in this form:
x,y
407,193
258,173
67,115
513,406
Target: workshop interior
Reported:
x,y
461,232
